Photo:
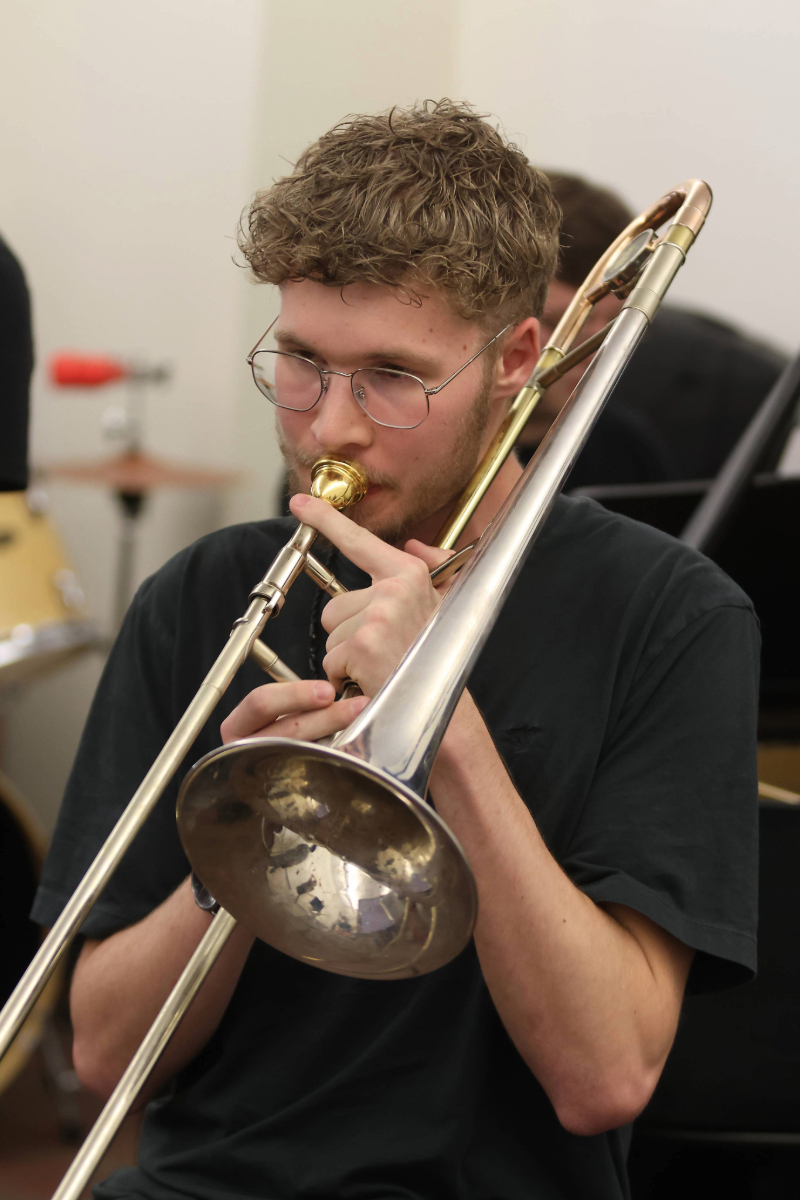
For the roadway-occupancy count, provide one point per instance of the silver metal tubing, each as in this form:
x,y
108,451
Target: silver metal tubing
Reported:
x,y
336,480
269,662
288,563
144,1060
175,749
401,728
356,873
451,565
323,577
367,882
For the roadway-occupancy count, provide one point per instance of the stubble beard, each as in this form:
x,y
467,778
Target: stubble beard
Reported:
x,y
431,494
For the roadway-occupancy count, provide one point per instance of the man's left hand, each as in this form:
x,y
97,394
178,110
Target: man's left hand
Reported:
x,y
370,630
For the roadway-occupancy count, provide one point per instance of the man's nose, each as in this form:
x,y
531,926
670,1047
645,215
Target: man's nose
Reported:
x,y
339,421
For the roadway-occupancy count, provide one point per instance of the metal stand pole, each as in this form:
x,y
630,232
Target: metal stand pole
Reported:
x,y
131,504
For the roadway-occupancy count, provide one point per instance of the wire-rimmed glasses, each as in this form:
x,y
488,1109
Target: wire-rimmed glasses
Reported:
x,y
390,397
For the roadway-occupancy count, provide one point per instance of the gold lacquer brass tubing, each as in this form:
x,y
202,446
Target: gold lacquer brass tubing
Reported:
x,y
688,205
52,948
551,366
517,418
146,1057
680,236
565,364
339,481
655,280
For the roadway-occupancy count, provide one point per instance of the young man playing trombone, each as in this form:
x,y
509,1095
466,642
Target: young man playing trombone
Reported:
x,y
599,772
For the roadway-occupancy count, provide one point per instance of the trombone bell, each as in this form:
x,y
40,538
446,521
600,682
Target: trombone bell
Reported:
x,y
327,858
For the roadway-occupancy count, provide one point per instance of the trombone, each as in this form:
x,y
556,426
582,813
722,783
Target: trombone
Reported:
x,y
330,852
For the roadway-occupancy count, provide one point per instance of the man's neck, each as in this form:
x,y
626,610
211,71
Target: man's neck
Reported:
x,y
426,531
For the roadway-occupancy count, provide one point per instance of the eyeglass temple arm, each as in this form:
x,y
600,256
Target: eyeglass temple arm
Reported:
x,y
434,391
264,334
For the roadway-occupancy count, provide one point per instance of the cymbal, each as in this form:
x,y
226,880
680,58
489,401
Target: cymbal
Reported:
x,y
137,473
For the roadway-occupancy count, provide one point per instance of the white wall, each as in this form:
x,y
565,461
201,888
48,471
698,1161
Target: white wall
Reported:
x,y
642,95
132,137
125,150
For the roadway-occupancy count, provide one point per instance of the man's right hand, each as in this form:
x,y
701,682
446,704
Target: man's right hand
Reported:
x,y
306,710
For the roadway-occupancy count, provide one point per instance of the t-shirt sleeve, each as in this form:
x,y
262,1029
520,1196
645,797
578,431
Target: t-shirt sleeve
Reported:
x,y
670,827
130,719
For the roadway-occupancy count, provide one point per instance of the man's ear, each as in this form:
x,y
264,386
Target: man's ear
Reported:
x,y
517,357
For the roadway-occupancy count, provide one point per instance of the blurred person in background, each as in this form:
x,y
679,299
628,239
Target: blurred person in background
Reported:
x,y
413,251
16,357
690,389
16,365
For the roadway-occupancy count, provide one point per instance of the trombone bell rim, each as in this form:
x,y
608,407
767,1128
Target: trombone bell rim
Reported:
x,y
327,858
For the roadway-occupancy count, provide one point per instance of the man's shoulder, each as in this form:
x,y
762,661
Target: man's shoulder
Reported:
x,y
238,554
248,539
617,561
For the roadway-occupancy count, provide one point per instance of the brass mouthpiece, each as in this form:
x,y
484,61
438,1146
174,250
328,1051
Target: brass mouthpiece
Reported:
x,y
338,481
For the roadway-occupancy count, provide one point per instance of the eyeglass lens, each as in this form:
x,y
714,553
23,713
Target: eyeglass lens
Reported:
x,y
390,398
287,380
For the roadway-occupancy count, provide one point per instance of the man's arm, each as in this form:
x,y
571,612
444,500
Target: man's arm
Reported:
x,y
120,983
590,995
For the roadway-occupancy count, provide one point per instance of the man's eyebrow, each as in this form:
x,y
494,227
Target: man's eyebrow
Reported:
x,y
286,336
412,359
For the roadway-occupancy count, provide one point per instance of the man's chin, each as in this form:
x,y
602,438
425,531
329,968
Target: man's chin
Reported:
x,y
395,522
381,513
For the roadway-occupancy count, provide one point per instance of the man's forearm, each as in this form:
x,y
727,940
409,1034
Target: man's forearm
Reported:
x,y
590,999
120,984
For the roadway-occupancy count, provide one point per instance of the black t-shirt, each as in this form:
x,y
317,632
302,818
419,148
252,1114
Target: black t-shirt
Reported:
x,y
620,687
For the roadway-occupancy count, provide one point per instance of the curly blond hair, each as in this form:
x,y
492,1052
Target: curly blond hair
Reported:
x,y
430,194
